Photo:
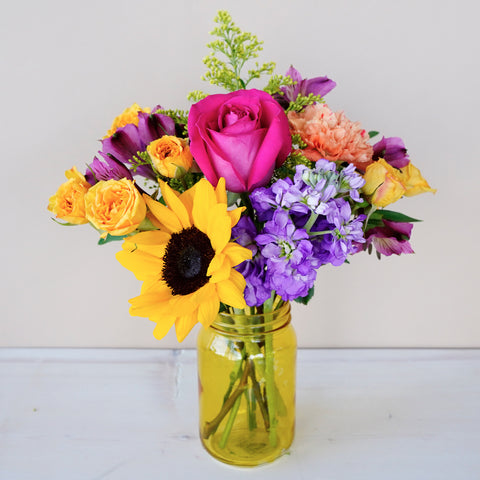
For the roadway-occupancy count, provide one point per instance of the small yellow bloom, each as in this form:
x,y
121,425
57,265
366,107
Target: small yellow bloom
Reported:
x,y
383,183
129,115
170,156
69,201
115,206
413,181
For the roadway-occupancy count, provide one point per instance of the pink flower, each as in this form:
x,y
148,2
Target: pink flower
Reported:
x,y
391,238
241,136
331,135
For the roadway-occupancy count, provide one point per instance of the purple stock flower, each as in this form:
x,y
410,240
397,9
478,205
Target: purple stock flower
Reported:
x,y
392,150
288,252
344,233
390,239
108,169
304,86
256,292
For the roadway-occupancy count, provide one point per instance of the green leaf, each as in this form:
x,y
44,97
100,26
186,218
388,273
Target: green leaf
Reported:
x,y
111,238
64,224
373,133
393,216
307,298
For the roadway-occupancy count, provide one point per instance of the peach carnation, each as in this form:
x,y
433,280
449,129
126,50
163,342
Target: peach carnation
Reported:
x,y
331,135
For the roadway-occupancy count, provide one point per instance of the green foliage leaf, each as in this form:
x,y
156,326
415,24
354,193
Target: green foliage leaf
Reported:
x,y
307,298
64,224
373,133
392,216
111,238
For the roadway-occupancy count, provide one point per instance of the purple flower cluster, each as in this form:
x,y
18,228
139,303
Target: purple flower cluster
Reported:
x,y
308,222
125,144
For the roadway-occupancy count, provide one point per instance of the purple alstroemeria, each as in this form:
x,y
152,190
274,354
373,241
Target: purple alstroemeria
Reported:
x,y
304,86
152,126
392,150
289,260
391,239
124,144
108,169
127,141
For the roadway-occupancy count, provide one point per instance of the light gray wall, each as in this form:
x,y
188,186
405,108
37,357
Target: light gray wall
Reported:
x,y
408,69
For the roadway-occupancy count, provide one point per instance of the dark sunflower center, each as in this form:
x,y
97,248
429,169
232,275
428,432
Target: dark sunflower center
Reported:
x,y
186,260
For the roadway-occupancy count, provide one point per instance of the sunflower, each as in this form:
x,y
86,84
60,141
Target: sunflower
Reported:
x,y
187,265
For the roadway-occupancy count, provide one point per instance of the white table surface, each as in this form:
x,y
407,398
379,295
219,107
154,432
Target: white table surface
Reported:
x,y
116,414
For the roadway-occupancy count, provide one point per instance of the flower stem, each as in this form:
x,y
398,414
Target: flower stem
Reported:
x,y
211,427
271,393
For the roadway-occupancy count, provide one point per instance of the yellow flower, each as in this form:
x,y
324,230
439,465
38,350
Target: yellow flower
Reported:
x,y
115,206
187,265
69,201
413,181
129,115
383,183
170,156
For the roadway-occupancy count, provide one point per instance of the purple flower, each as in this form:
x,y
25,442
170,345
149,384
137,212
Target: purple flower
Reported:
x,y
108,169
316,86
256,292
393,150
127,141
344,233
289,260
152,126
390,239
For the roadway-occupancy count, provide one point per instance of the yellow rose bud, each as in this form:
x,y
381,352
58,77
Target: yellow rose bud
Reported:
x,y
115,206
129,115
413,181
69,202
382,183
170,156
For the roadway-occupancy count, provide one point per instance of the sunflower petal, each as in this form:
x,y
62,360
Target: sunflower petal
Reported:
x,y
220,191
207,311
147,304
141,264
164,324
184,324
187,199
236,253
235,215
221,269
219,228
203,203
152,242
230,294
175,204
238,279
164,215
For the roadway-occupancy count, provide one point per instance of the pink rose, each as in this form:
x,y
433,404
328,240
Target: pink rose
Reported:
x,y
241,136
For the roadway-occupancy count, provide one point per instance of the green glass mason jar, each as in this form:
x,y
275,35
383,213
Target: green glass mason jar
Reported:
x,y
246,373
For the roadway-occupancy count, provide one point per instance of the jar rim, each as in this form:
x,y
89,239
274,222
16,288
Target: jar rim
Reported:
x,y
252,324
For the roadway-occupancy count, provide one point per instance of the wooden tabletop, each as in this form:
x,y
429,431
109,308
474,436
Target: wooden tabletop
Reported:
x,y
77,414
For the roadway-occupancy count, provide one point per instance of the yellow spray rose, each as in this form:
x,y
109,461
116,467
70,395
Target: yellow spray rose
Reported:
x,y
129,115
115,206
69,202
170,156
413,181
383,183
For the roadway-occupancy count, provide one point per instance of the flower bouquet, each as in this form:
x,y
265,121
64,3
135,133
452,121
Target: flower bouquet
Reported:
x,y
227,211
